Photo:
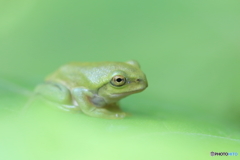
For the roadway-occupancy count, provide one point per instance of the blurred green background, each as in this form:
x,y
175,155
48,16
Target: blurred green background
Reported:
x,y
188,49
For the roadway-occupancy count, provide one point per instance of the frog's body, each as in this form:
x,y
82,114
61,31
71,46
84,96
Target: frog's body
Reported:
x,y
94,88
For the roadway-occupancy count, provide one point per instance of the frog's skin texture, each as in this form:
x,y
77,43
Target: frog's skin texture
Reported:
x,y
94,87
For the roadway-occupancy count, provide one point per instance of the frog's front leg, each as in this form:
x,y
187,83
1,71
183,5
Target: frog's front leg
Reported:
x,y
113,107
93,105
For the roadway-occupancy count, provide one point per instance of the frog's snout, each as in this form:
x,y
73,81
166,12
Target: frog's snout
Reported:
x,y
142,82
146,84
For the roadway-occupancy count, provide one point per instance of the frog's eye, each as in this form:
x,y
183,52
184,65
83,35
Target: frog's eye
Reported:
x,y
118,80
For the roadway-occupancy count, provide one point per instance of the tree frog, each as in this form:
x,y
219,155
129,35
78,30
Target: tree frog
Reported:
x,y
93,87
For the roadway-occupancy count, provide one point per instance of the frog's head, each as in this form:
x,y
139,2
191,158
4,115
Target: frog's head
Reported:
x,y
127,78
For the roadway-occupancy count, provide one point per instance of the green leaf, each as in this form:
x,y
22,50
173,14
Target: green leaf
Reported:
x,y
189,51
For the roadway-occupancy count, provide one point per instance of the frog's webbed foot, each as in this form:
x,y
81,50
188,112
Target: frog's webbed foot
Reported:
x,y
104,113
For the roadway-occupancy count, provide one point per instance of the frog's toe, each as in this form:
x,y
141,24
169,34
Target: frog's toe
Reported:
x,y
114,115
120,115
103,113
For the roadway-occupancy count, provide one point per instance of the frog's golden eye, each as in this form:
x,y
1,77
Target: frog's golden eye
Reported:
x,y
118,80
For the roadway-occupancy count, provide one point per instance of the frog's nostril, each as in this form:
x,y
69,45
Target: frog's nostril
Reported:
x,y
138,80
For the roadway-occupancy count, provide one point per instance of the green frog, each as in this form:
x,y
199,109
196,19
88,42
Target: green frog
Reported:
x,y
93,87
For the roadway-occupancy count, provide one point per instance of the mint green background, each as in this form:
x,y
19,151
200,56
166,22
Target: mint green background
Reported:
x,y
188,49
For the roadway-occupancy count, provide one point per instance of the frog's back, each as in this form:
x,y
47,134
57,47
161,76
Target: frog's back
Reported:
x,y
92,65
86,73
89,68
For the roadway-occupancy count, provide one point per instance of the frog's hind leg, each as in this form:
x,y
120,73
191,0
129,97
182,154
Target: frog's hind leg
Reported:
x,y
57,94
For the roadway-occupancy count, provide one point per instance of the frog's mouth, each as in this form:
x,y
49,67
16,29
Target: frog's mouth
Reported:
x,y
126,93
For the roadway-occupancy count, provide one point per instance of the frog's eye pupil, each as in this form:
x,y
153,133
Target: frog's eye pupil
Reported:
x,y
119,80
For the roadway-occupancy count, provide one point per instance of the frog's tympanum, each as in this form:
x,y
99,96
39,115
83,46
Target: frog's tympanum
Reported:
x,y
94,87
